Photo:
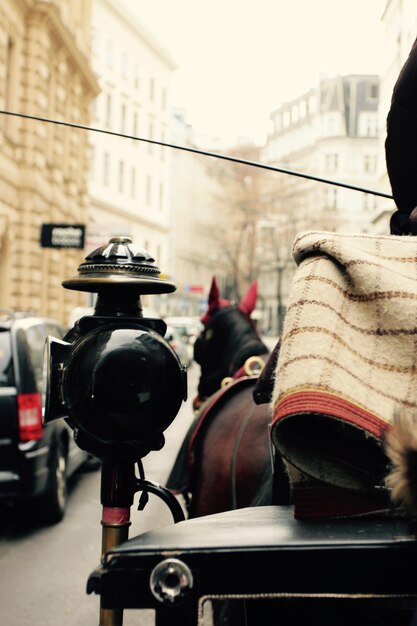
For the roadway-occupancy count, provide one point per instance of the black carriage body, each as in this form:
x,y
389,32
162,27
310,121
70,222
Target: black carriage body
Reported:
x,y
351,571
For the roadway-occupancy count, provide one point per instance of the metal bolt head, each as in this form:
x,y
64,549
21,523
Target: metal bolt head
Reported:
x,y
171,581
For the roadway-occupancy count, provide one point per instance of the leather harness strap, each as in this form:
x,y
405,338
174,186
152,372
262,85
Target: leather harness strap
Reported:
x,y
253,366
236,446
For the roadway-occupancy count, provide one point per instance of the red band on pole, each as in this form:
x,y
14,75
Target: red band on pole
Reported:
x,y
115,515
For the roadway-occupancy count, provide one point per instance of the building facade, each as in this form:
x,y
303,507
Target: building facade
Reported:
x,y
400,23
45,71
129,179
196,253
330,132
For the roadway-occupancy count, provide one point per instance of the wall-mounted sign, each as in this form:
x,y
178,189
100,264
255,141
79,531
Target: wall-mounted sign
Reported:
x,y
62,235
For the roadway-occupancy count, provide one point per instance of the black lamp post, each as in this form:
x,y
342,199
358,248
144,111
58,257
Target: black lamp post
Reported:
x,y
117,382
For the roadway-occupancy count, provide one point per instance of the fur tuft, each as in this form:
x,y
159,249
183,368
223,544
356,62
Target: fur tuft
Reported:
x,y
401,448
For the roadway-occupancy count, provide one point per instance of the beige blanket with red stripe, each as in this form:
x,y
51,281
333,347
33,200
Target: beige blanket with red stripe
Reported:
x,y
347,363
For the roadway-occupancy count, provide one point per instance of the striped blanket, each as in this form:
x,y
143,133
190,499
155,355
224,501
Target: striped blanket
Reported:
x,y
347,364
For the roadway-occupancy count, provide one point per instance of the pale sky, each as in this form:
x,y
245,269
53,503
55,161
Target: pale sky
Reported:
x,y
240,59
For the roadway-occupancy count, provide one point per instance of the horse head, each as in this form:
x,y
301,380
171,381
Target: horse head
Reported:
x,y
228,338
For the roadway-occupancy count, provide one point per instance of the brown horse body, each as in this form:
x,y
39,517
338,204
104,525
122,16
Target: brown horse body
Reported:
x,y
227,453
232,456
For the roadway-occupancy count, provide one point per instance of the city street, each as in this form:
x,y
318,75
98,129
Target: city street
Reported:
x,y
228,180
44,570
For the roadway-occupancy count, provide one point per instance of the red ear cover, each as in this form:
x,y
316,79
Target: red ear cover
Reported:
x,y
214,301
248,303
214,295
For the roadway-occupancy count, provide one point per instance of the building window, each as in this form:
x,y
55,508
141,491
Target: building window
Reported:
x,y
136,76
331,125
150,136
331,198
10,86
369,202
135,124
294,113
94,111
109,53
369,163
108,108
121,176
124,65
123,118
133,182
368,125
312,104
373,91
277,122
371,126
286,119
148,190
331,162
92,154
52,88
162,148
106,169
164,99
151,88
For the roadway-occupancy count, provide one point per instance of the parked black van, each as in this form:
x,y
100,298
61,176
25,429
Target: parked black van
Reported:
x,y
35,460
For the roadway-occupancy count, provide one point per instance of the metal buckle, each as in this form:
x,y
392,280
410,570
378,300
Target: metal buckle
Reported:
x,y
254,366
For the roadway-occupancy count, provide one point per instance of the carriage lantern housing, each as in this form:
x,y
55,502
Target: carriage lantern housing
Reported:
x,y
114,377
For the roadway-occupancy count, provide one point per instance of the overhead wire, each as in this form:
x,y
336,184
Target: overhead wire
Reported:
x,y
217,155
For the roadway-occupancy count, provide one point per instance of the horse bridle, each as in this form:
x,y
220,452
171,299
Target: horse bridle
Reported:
x,y
253,366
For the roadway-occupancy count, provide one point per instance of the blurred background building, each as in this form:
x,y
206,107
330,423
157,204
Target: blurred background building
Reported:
x,y
400,25
143,190
195,252
129,180
330,132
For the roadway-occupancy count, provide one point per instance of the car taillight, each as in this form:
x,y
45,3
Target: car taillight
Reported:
x,y
30,416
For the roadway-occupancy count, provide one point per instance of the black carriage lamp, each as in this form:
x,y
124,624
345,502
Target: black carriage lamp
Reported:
x,y
116,380
114,376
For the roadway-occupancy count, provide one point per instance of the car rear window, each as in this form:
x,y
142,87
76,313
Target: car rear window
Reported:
x,y
6,362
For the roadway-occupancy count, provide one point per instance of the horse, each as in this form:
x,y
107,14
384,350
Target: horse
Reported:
x,y
225,461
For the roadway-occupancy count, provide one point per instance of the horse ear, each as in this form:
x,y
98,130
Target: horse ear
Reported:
x,y
215,301
214,295
248,303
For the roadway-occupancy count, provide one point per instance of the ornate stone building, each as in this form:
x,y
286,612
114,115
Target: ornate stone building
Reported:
x,y
45,71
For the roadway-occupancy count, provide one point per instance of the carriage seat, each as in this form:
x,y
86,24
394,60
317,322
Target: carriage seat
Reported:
x,y
264,553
